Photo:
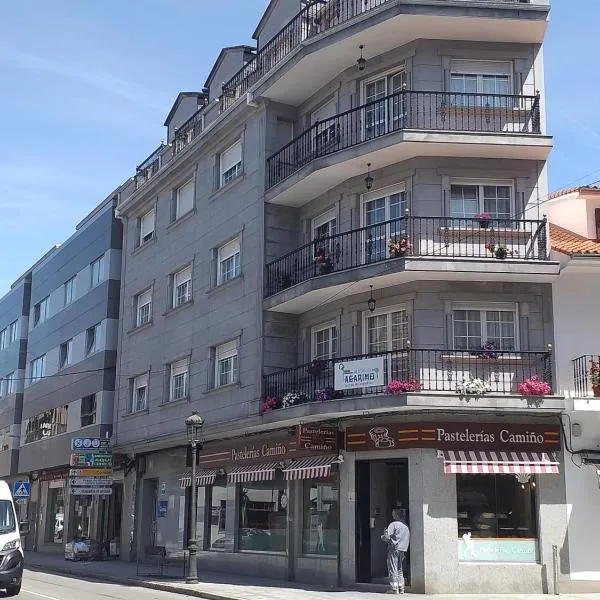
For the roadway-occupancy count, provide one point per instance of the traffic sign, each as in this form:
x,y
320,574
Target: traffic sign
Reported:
x,y
91,481
22,489
90,472
87,444
92,460
91,491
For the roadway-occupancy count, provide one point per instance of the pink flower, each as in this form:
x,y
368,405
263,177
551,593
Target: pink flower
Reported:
x,y
398,387
534,386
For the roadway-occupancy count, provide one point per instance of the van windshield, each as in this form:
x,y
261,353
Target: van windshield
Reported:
x,y
7,517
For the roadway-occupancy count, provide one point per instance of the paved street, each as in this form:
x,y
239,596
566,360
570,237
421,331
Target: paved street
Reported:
x,y
45,586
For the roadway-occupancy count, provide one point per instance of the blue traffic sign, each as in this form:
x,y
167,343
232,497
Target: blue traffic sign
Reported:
x,y
22,489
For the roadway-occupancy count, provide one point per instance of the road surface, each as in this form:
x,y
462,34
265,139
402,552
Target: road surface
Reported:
x,y
45,586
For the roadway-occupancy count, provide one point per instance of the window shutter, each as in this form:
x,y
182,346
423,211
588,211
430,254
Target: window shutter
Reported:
x,y
185,198
145,298
179,367
225,349
229,249
147,226
183,276
231,157
481,66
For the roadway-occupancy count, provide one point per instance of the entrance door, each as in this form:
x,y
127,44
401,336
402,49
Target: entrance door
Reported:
x,y
381,486
149,512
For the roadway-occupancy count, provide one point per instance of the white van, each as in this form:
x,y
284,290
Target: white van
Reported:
x,y
11,549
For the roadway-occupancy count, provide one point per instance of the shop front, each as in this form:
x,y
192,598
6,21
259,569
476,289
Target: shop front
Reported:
x,y
485,503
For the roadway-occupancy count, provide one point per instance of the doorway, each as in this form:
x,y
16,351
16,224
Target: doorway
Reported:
x,y
381,485
149,513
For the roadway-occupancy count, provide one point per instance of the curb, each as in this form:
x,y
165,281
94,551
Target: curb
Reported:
x,y
103,578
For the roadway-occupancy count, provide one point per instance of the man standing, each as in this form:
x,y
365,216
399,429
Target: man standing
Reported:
x,y
397,537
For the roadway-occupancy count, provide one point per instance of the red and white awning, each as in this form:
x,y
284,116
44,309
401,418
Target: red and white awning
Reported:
x,y
206,477
479,461
247,473
312,467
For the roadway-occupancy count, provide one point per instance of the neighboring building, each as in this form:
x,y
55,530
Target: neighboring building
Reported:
x,y
575,234
67,310
257,261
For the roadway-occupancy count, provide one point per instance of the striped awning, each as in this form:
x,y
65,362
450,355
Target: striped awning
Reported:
x,y
247,473
475,461
206,477
310,468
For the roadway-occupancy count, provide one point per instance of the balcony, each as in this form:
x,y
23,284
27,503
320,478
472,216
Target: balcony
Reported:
x,y
586,376
333,29
188,131
400,126
417,373
146,170
405,247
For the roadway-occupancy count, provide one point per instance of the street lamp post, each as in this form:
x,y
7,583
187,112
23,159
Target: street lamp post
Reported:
x,y
194,424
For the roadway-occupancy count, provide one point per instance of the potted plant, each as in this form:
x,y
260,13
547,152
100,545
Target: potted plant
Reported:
x,y
595,377
534,386
398,248
327,393
474,386
500,251
397,387
324,263
489,351
293,399
282,280
270,403
484,219
317,368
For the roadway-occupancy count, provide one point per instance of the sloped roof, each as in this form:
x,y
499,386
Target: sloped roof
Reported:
x,y
581,188
224,51
179,98
568,242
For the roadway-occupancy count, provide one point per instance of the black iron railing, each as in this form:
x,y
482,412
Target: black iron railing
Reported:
x,y
318,17
147,169
586,375
442,237
188,130
437,111
415,370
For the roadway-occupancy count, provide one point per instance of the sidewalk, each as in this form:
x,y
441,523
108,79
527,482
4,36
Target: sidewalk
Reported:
x,y
227,586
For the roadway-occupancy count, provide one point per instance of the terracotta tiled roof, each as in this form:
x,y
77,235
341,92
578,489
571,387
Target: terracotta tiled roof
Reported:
x,y
567,242
581,188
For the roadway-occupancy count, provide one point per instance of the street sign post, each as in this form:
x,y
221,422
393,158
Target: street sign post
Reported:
x,y
91,491
91,481
92,460
90,472
22,489
89,444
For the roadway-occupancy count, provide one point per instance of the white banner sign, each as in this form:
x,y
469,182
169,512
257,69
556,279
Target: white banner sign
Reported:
x,y
355,374
91,491
91,481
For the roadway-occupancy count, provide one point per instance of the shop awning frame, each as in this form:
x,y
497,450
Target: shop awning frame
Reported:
x,y
249,473
203,477
499,463
311,467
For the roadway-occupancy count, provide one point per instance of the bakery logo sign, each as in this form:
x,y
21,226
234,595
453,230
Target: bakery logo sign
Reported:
x,y
315,438
505,436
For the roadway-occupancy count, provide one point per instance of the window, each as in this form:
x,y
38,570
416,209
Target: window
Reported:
x,y
178,379
383,116
47,424
182,286
475,327
69,291
55,525
11,384
480,77
499,513
5,440
3,339
325,339
81,517
226,356
97,270
88,410
1,387
466,200
146,225
383,214
38,368
263,516
229,261
321,516
139,393
66,353
13,332
143,308
93,341
183,201
218,517
325,126
388,333
231,163
40,311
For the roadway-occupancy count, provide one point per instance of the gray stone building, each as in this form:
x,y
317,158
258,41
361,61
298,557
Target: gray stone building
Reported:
x,y
59,334
339,259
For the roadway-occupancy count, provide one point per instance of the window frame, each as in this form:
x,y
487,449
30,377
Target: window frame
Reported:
x,y
70,291
484,307
92,348
189,282
387,311
10,380
33,364
135,381
225,351
330,325
149,236
3,338
480,184
223,255
99,278
182,366
138,306
68,357
480,69
236,169
176,213
88,413
40,316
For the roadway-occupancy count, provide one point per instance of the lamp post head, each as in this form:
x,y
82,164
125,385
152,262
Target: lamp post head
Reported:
x,y
194,424
361,62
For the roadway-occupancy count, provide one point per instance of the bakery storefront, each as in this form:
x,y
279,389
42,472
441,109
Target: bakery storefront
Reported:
x,y
485,503
271,495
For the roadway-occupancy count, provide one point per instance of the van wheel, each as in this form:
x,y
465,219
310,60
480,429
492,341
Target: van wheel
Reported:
x,y
13,590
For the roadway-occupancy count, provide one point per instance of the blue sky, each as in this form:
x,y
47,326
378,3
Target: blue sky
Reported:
x,y
85,87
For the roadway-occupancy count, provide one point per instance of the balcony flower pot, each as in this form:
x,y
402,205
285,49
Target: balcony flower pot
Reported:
x,y
500,252
534,386
484,220
596,390
323,262
317,368
398,248
397,387
594,374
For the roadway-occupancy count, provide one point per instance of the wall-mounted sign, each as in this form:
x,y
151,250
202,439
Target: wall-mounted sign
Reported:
x,y
88,444
92,460
314,437
356,374
472,549
457,436
163,507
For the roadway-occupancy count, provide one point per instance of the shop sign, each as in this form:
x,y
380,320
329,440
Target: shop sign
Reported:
x,y
92,460
455,436
357,374
314,437
498,550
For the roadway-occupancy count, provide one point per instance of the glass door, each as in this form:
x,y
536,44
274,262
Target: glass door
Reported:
x,y
382,114
324,228
377,214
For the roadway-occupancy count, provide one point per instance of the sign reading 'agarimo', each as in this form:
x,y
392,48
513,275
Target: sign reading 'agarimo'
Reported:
x,y
356,374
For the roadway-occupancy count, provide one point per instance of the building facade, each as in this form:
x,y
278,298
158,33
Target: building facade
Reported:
x,y
339,259
575,229
59,361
